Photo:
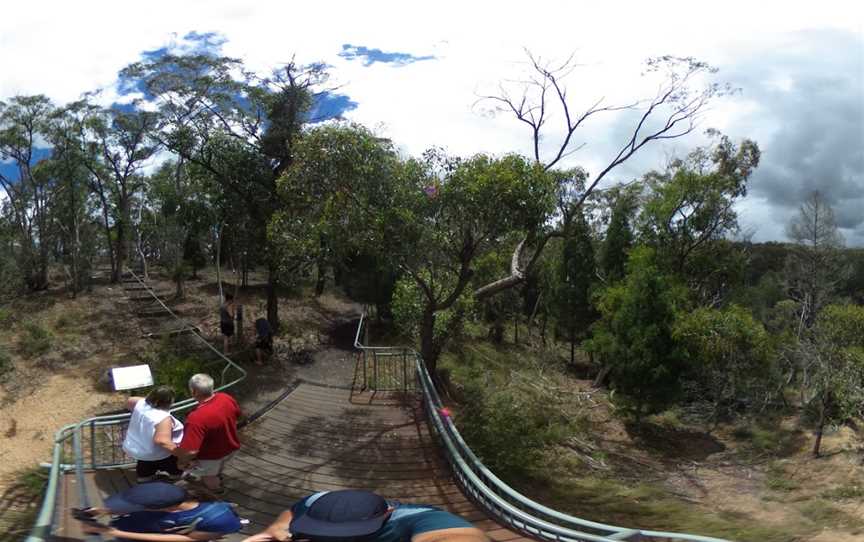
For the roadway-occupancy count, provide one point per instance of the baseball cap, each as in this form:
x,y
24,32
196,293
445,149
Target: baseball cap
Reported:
x,y
149,496
348,513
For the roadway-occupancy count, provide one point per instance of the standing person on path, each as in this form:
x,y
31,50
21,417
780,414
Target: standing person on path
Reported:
x,y
210,436
153,434
353,514
263,340
227,313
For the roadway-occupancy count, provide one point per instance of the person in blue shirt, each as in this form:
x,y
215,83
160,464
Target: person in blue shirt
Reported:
x,y
354,515
160,512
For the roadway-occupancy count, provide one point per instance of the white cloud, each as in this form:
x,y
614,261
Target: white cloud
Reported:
x,y
64,48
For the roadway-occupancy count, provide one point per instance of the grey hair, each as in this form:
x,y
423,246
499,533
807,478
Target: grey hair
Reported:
x,y
201,384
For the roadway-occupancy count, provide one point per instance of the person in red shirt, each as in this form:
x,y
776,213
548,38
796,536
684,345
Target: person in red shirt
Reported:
x,y
210,435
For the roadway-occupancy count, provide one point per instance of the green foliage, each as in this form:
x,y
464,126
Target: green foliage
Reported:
x,y
766,439
777,479
619,239
634,335
175,371
35,340
507,304
172,365
576,274
690,212
408,308
730,356
835,354
508,427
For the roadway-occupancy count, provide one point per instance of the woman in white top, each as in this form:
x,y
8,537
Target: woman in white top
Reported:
x,y
153,433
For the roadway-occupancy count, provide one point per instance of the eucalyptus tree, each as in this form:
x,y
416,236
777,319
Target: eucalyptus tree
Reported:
x,y
115,146
451,213
433,218
815,266
23,124
688,214
239,127
672,112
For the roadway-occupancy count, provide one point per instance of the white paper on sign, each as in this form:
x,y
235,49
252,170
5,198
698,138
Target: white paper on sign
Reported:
x,y
127,378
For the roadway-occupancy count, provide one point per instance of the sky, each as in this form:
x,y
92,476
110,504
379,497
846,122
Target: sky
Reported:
x,y
415,73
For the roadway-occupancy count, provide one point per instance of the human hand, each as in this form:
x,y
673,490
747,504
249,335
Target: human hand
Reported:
x,y
260,537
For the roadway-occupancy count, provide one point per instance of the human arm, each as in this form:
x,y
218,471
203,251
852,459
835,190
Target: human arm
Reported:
x,y
105,530
193,437
162,436
278,530
456,534
131,402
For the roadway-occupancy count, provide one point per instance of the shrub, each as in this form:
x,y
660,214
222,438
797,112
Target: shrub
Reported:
x,y
171,368
508,428
35,340
176,373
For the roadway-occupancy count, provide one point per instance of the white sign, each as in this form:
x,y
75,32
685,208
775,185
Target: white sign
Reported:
x,y
127,378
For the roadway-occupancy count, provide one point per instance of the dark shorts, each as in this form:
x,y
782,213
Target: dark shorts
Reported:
x,y
264,344
227,328
146,469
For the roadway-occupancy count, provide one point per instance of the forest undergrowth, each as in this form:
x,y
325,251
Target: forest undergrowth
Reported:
x,y
542,425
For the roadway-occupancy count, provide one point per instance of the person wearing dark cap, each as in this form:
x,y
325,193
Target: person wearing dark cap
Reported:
x,y
160,512
360,515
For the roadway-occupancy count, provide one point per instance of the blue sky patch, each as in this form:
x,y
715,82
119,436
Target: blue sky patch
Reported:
x,y
329,105
371,56
10,169
193,43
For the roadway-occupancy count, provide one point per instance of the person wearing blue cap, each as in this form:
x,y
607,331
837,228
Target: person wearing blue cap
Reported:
x,y
354,515
160,512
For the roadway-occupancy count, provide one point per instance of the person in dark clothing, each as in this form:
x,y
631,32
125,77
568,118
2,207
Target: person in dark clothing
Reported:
x,y
227,313
160,511
263,340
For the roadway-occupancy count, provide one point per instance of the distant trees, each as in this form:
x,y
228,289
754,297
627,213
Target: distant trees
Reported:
x,y
23,121
815,266
689,214
236,126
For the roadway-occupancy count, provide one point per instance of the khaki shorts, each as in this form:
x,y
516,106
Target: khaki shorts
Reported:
x,y
208,467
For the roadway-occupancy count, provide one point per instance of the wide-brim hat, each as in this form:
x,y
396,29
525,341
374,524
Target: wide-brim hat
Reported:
x,y
347,513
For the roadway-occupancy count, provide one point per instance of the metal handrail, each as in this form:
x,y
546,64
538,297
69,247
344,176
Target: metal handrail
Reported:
x,y
41,530
504,503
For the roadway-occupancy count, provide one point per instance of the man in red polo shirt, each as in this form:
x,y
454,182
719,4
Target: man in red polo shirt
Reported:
x,y
210,435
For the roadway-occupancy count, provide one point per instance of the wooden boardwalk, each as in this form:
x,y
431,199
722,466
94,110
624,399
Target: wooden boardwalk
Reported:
x,y
320,438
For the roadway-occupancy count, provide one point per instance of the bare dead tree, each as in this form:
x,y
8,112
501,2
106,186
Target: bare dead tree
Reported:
x,y
672,112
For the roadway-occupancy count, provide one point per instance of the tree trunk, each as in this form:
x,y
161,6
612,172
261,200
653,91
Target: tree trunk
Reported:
x,y
219,263
121,241
272,297
819,431
572,345
427,341
516,329
321,279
